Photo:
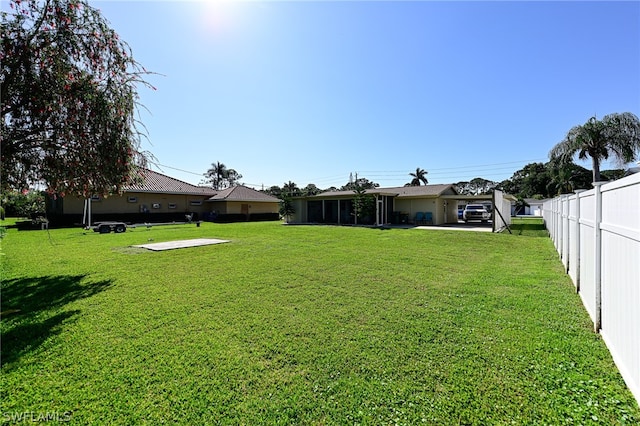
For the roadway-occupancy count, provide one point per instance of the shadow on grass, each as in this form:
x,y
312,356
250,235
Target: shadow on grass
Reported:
x,y
33,310
530,228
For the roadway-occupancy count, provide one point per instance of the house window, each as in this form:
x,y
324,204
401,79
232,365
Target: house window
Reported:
x,y
155,205
195,202
172,205
132,199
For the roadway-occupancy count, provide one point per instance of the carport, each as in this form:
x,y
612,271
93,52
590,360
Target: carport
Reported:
x,y
461,200
499,201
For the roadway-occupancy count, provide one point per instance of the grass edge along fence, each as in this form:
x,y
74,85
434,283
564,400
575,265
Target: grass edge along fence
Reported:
x,y
597,235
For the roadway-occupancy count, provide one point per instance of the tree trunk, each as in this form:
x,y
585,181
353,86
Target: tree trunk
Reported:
x,y
596,169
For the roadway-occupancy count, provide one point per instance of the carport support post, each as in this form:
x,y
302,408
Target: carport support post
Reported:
x,y
84,213
87,213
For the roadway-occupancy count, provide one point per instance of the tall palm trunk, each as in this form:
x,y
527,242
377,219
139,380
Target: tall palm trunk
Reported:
x,y
596,169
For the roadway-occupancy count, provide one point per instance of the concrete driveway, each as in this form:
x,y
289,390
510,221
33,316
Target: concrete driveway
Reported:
x,y
461,226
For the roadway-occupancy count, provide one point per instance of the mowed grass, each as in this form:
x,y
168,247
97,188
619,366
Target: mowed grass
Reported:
x,y
312,325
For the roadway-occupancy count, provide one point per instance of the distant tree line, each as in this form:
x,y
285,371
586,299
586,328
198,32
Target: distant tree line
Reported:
x,y
535,180
547,180
291,189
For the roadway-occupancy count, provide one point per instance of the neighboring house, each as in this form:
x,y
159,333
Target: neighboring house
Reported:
x,y
533,208
161,198
240,202
402,204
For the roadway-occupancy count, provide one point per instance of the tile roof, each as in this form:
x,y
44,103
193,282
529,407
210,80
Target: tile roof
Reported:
x,y
159,183
243,193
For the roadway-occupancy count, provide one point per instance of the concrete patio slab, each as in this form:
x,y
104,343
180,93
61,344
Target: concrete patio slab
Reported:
x,y
171,245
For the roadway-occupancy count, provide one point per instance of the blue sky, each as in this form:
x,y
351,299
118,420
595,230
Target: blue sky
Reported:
x,y
310,92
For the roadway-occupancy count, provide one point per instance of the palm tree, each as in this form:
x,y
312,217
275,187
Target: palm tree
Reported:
x,y
291,189
216,174
616,135
565,178
286,207
419,177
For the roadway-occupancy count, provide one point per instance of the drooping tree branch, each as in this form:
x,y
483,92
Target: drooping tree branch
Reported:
x,y
68,86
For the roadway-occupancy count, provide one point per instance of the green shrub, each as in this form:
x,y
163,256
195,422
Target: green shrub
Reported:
x,y
24,204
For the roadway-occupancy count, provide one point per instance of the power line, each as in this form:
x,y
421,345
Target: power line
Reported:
x,y
475,166
440,174
175,168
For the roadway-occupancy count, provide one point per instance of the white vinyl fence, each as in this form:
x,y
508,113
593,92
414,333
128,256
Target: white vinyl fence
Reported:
x,y
597,234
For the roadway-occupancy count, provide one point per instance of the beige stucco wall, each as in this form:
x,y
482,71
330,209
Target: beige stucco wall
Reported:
x,y
121,204
412,206
452,211
300,208
442,213
235,207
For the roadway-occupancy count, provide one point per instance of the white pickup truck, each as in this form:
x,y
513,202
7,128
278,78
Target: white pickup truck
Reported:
x,y
475,212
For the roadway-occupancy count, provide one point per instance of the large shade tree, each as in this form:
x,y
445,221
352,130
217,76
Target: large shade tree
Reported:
x,y
365,183
529,182
565,178
616,135
477,186
291,189
69,100
311,189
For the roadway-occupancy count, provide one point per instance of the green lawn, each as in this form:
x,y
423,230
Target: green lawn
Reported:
x,y
312,325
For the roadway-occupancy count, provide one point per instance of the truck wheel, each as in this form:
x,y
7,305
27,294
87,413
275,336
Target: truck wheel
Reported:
x,y
120,229
104,229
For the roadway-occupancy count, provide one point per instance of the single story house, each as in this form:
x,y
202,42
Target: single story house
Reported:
x,y
533,207
241,202
160,198
433,204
